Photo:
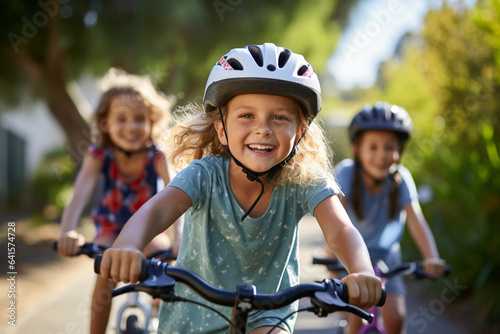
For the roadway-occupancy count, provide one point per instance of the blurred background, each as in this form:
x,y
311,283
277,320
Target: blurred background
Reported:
x,y
440,60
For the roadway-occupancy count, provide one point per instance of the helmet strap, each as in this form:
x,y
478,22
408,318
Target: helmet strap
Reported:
x,y
255,176
130,153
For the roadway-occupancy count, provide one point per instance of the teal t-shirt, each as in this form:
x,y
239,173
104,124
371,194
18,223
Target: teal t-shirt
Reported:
x,y
226,252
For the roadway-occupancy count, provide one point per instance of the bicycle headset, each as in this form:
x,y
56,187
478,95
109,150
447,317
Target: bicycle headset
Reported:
x,y
381,116
263,69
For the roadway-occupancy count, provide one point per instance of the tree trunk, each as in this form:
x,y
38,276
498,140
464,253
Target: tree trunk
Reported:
x,y
49,75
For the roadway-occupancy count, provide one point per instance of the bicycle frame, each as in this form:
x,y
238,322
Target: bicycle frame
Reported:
x,y
375,324
93,250
133,301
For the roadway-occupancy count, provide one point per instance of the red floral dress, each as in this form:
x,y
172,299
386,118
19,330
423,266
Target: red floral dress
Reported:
x,y
120,197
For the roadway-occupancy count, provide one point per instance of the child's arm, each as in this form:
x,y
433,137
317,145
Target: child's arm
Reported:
x,y
122,262
422,234
328,250
69,239
164,172
348,245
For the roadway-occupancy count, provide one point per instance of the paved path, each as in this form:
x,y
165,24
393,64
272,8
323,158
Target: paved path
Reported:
x,y
424,315
54,298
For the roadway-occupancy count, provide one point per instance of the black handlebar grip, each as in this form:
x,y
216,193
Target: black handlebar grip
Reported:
x,y
144,270
381,302
447,270
344,294
324,261
97,264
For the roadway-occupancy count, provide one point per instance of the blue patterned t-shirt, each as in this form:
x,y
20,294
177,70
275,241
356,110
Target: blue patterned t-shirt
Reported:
x,y
226,252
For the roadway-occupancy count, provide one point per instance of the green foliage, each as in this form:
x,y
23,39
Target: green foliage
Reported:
x,y
52,185
175,42
450,85
50,43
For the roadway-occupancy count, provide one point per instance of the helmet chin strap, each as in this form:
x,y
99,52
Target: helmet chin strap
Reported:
x,y
376,181
130,153
255,176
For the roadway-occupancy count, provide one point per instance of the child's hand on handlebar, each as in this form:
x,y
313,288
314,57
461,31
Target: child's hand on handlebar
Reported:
x,y
69,243
434,266
365,290
122,264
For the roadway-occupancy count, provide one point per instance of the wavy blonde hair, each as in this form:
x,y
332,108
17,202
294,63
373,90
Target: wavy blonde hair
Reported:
x,y
117,82
194,136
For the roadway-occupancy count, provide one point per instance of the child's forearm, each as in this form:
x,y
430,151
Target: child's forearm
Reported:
x,y
425,241
342,237
83,188
421,232
153,218
140,229
352,252
71,215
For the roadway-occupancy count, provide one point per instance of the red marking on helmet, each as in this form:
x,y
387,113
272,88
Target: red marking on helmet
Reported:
x,y
309,72
223,62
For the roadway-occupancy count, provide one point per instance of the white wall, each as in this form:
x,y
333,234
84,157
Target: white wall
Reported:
x,y
34,123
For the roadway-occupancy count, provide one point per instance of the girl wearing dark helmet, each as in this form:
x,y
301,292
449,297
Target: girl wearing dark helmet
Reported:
x,y
263,165
380,196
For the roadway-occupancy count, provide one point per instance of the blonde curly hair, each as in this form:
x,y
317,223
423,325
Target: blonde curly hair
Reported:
x,y
194,136
117,82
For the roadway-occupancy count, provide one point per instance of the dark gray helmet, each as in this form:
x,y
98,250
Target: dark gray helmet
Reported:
x,y
382,116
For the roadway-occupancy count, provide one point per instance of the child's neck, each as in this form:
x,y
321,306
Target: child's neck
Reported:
x,y
246,191
130,166
371,185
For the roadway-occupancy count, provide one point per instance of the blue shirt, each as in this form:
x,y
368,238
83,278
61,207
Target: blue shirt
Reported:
x,y
226,252
379,231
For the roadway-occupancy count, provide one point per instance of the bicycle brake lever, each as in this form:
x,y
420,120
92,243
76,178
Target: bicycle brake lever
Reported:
x,y
329,301
124,289
156,282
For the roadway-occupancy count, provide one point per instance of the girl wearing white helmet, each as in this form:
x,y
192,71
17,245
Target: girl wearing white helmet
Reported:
x,y
263,165
380,196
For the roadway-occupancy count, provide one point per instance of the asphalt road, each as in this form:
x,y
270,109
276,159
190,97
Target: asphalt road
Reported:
x,y
54,298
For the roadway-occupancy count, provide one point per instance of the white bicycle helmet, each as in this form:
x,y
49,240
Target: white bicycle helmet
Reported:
x,y
263,69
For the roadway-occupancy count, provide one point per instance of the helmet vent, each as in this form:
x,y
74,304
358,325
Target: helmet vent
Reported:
x,y
271,67
283,58
256,54
302,70
235,64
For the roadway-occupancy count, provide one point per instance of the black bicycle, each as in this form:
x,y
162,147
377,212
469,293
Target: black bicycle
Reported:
x,y
135,322
158,280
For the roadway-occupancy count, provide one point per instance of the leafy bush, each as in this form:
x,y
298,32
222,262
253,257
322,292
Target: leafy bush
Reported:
x,y
52,185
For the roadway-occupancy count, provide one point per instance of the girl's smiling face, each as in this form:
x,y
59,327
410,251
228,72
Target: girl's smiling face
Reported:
x,y
377,151
128,123
262,129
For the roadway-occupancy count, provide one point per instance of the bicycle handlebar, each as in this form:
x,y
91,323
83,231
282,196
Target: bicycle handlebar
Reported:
x,y
158,279
416,268
90,249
